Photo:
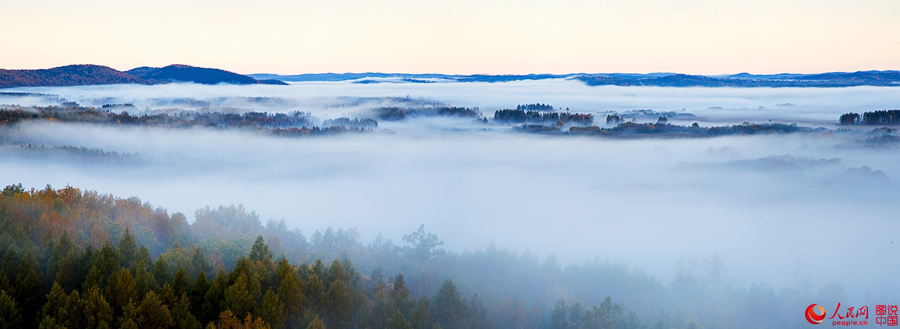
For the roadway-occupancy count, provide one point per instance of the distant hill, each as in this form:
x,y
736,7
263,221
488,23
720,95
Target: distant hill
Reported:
x,y
71,75
407,77
271,82
744,80
185,73
349,76
76,75
746,75
79,75
862,77
741,80
139,71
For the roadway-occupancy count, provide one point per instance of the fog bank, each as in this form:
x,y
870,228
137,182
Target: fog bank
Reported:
x,y
823,203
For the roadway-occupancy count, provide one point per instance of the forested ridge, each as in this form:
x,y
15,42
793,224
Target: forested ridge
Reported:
x,y
80,259
88,74
76,259
824,80
294,123
662,127
70,75
298,124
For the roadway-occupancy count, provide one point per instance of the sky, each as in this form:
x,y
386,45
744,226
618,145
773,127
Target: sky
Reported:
x,y
456,37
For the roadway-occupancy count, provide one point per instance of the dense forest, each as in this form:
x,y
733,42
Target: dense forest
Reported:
x,y
397,113
181,119
541,117
534,107
83,260
880,117
613,119
649,113
661,117
77,154
71,75
80,259
355,122
296,124
663,127
279,124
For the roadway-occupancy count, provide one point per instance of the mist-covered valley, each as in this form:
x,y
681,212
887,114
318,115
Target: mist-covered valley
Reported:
x,y
809,213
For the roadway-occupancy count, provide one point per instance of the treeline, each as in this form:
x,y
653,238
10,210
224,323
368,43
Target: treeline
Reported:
x,y
85,260
880,117
70,75
398,113
661,126
10,117
85,155
316,131
128,265
613,119
662,117
182,119
355,122
757,128
536,117
293,123
824,80
122,287
534,107
539,129
649,113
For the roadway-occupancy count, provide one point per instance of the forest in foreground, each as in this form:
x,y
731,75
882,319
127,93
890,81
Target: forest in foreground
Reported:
x,y
80,259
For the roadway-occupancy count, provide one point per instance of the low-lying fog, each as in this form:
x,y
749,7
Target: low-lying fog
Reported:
x,y
761,201
815,106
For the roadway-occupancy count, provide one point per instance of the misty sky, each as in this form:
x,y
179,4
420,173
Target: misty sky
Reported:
x,y
483,36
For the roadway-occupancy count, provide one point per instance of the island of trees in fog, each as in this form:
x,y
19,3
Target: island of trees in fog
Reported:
x,y
881,117
304,124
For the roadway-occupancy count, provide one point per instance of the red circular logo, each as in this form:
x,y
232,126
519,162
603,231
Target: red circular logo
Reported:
x,y
811,315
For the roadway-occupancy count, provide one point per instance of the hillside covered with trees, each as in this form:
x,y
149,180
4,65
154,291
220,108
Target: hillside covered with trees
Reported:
x,y
202,75
70,75
80,75
84,260
80,259
278,124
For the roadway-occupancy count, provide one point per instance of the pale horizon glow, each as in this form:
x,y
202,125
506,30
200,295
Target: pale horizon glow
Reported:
x,y
458,37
